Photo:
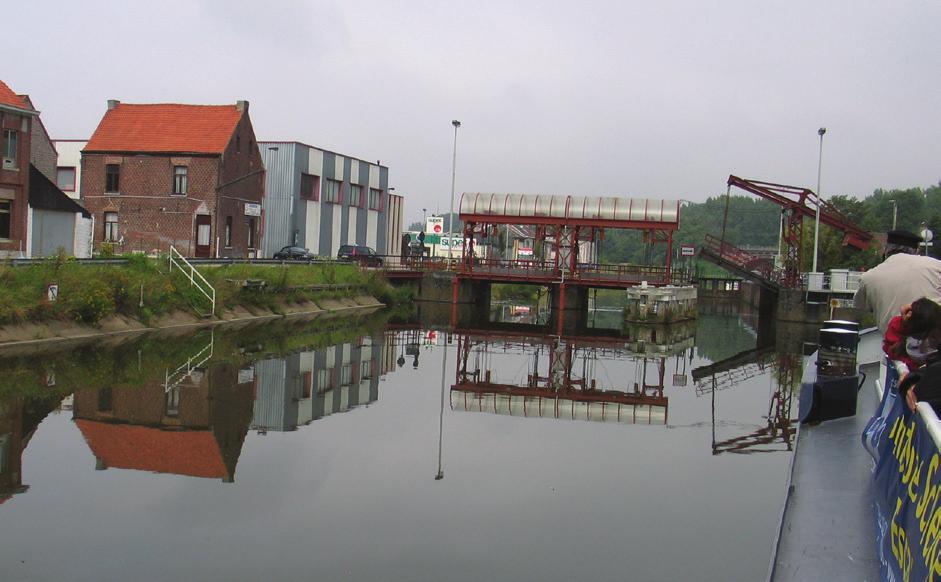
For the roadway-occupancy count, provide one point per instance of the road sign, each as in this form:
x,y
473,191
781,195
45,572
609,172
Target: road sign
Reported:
x,y
687,250
434,225
432,239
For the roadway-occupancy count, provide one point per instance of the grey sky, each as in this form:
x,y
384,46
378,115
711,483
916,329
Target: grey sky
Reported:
x,y
659,99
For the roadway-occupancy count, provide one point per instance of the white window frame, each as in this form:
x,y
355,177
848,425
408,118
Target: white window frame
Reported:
x,y
10,145
111,227
180,180
6,207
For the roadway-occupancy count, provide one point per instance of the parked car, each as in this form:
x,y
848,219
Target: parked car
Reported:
x,y
293,253
361,254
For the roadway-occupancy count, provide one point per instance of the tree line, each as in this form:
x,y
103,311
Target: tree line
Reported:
x,y
756,222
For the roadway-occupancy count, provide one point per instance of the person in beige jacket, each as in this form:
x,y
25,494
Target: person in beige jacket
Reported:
x,y
900,279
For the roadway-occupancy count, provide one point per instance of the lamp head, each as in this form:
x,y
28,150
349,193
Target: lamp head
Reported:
x,y
455,123
821,131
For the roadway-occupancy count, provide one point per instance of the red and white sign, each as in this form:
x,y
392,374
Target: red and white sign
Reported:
x,y
435,224
687,250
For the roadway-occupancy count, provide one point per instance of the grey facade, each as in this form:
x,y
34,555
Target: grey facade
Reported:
x,y
306,386
307,217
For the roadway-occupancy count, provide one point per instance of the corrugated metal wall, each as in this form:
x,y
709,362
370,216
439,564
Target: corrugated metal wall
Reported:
x,y
281,189
329,225
271,396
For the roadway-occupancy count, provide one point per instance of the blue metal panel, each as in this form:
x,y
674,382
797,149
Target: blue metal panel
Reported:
x,y
382,223
344,208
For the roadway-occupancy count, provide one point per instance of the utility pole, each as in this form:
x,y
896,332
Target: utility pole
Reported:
x,y
456,125
820,132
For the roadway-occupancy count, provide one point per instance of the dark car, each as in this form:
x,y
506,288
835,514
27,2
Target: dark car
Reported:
x,y
363,255
293,253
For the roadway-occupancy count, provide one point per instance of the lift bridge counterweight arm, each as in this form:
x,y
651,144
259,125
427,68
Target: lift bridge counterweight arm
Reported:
x,y
802,202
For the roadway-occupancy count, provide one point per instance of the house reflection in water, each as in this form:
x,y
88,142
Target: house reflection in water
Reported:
x,y
19,418
305,386
193,427
564,376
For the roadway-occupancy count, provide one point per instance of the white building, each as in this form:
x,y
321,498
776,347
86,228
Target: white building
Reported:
x,y
69,166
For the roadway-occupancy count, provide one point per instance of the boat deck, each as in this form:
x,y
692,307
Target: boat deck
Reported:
x,y
828,525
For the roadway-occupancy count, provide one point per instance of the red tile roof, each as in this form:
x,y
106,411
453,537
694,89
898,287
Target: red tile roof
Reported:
x,y
165,128
126,446
8,97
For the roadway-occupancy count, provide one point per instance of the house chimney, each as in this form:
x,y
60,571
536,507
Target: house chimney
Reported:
x,y
112,103
242,106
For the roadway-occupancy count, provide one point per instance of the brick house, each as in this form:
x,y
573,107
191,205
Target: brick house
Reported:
x,y
190,176
193,428
17,118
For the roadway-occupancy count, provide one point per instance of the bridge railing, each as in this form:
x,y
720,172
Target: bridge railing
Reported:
x,y
761,266
514,267
654,275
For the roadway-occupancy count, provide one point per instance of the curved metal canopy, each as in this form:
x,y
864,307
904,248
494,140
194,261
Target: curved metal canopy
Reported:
x,y
599,211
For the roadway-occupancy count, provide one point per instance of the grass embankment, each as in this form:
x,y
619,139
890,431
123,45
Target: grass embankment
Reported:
x,y
143,289
144,359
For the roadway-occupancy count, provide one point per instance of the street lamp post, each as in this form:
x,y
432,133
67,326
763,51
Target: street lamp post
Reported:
x,y
456,125
895,212
820,132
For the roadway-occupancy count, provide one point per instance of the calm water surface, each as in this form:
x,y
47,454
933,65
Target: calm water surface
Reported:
x,y
314,451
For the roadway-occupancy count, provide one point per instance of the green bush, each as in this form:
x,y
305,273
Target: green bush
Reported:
x,y
92,304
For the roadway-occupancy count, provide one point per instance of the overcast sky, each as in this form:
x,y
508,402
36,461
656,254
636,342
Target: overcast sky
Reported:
x,y
647,99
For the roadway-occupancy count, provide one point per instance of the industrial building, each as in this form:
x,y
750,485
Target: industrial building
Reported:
x,y
321,200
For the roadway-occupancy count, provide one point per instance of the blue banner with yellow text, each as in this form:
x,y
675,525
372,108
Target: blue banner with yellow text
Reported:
x,y
907,490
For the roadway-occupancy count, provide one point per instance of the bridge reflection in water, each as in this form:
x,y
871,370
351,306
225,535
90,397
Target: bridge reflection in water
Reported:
x,y
565,377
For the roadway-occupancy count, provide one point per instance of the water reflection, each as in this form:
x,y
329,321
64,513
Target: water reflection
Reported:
x,y
565,377
308,385
312,416
19,419
773,358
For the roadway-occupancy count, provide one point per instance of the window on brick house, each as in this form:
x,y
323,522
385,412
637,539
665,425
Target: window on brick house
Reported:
x,y
310,186
104,400
228,232
179,180
112,175
10,137
356,196
251,233
65,178
6,211
111,227
331,191
172,401
375,199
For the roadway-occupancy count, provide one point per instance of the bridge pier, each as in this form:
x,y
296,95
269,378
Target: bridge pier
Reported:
x,y
444,287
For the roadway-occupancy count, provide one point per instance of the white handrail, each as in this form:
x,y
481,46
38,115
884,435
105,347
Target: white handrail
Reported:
x,y
186,369
195,277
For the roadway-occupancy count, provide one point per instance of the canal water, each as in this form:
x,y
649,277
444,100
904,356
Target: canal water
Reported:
x,y
384,449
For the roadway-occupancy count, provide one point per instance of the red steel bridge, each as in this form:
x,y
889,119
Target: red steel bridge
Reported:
x,y
796,204
569,228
